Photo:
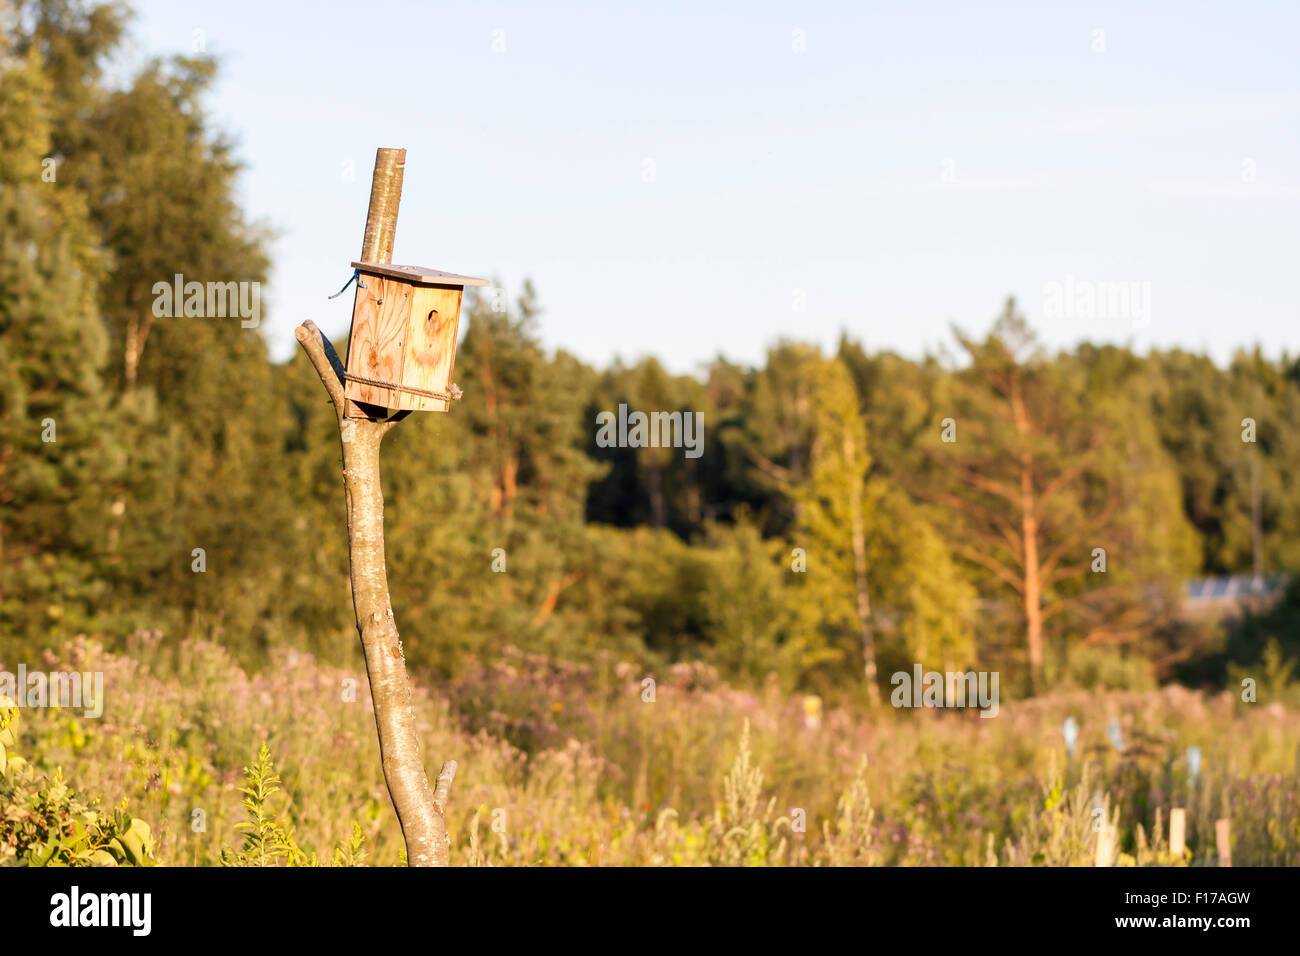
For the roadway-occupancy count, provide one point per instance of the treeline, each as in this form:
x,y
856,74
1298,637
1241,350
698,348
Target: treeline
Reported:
x,y
850,513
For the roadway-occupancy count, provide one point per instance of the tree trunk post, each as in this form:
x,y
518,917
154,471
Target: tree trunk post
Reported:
x,y
419,806
385,198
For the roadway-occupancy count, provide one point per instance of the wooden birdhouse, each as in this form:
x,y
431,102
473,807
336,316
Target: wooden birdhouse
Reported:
x,y
402,349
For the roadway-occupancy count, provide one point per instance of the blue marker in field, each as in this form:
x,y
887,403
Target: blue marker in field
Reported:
x,y
1114,734
1071,731
1194,761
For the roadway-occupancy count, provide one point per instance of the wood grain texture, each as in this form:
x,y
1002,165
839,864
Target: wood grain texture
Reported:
x,y
430,345
377,245
379,332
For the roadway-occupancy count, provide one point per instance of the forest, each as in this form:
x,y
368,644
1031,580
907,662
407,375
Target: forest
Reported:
x,y
171,506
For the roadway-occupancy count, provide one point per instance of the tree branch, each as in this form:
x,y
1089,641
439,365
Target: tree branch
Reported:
x,y
1065,573
325,360
1084,529
1068,475
1061,604
994,565
956,502
442,791
973,479
419,809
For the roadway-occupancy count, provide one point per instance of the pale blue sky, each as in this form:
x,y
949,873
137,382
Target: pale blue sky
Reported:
x,y
919,162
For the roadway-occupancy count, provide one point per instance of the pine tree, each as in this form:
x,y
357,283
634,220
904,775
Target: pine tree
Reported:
x,y
199,405
1044,468
56,442
836,509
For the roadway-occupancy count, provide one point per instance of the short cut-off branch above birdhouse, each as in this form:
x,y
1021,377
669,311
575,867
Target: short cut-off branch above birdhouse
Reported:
x,y
401,355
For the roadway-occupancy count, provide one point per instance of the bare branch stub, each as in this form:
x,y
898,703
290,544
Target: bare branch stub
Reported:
x,y
442,791
325,360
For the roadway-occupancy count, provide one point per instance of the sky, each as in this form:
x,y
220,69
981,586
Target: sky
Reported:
x,y
687,180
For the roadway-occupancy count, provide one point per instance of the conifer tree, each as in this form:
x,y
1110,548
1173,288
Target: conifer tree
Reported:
x,y
1041,468
56,442
836,510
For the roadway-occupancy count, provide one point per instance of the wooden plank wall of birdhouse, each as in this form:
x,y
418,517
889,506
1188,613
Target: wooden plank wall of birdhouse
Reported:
x,y
375,350
431,346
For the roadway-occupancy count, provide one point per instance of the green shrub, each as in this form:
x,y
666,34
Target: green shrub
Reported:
x,y
44,823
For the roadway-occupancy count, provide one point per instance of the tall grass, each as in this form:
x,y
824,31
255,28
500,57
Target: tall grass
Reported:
x,y
564,764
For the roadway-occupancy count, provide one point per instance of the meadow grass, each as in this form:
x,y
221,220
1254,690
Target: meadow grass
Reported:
x,y
566,764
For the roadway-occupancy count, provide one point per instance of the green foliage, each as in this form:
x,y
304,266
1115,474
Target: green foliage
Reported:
x,y
851,839
1275,676
268,837
835,508
56,446
1093,667
744,830
267,840
752,608
45,823
1064,828
506,524
509,529
353,852
567,764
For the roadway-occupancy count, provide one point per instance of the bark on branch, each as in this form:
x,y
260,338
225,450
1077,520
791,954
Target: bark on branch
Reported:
x,y
385,199
419,808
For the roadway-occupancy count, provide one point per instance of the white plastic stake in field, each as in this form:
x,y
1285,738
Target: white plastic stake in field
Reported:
x,y
1222,838
1105,846
1177,831
1071,732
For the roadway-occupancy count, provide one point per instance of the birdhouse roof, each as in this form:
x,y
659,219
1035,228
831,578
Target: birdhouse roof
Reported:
x,y
421,275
